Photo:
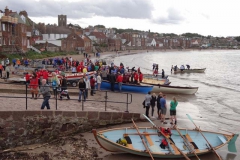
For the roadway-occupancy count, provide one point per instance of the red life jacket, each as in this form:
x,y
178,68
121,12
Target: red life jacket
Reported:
x,y
164,142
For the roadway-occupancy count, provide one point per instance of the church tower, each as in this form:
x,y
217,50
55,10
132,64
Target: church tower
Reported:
x,y
62,20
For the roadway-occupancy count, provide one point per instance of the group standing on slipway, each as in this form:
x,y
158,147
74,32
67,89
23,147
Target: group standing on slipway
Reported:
x,y
162,107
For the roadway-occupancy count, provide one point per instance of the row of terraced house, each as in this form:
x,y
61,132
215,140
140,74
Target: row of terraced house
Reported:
x,y
18,34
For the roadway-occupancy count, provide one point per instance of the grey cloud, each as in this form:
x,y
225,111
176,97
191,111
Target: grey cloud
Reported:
x,y
135,9
174,17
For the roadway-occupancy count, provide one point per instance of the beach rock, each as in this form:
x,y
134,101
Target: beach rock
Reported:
x,y
69,148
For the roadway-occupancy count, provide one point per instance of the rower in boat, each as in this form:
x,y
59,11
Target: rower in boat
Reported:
x,y
182,67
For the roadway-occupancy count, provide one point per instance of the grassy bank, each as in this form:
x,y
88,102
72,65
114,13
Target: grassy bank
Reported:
x,y
35,55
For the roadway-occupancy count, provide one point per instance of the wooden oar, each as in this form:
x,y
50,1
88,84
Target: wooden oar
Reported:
x,y
204,137
186,142
169,141
145,145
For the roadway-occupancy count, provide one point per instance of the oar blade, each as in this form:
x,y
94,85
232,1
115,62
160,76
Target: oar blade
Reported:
x,y
149,119
231,144
189,117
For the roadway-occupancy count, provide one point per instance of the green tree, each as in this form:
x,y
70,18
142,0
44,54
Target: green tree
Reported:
x,y
99,26
191,35
237,38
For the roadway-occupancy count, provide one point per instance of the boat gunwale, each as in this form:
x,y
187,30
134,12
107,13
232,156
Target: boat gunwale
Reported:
x,y
169,86
128,84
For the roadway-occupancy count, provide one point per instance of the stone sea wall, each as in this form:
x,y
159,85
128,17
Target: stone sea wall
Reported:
x,y
28,127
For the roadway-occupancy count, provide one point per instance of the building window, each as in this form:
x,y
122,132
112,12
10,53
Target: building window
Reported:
x,y
3,27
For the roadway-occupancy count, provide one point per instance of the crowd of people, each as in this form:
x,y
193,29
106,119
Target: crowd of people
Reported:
x,y
151,100
89,83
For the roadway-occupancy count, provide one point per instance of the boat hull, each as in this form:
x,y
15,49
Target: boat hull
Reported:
x,y
127,87
107,140
159,87
202,70
173,89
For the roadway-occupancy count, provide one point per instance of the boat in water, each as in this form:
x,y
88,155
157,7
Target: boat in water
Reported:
x,y
158,87
201,70
126,87
184,142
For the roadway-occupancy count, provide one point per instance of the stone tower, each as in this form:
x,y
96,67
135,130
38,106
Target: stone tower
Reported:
x,y
62,20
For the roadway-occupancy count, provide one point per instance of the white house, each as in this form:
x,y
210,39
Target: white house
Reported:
x,y
55,42
151,42
53,36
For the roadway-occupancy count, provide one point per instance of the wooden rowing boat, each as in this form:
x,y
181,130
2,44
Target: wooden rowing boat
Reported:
x,y
195,141
201,70
159,87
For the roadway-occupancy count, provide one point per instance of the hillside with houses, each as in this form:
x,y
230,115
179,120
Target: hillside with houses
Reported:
x,y
19,34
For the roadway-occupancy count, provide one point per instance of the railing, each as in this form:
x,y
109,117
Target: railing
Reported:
x,y
35,49
105,100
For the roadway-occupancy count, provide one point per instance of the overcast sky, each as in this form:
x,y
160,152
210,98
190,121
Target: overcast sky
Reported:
x,y
206,17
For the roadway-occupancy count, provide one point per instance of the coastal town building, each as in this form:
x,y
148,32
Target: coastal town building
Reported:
x,y
62,20
33,34
12,36
18,34
114,44
98,38
151,42
1,14
73,42
87,43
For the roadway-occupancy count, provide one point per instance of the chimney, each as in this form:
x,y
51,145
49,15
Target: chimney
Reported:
x,y
6,11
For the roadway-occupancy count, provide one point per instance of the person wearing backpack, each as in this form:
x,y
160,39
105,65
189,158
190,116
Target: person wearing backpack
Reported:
x,y
55,83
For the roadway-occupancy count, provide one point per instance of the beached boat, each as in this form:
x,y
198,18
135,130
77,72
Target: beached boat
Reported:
x,y
201,70
187,142
158,79
157,87
128,87
73,78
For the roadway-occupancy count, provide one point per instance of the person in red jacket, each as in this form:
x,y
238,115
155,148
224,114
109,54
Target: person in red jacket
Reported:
x,y
38,75
79,68
140,77
135,77
45,75
120,81
27,77
138,70
92,84
34,86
